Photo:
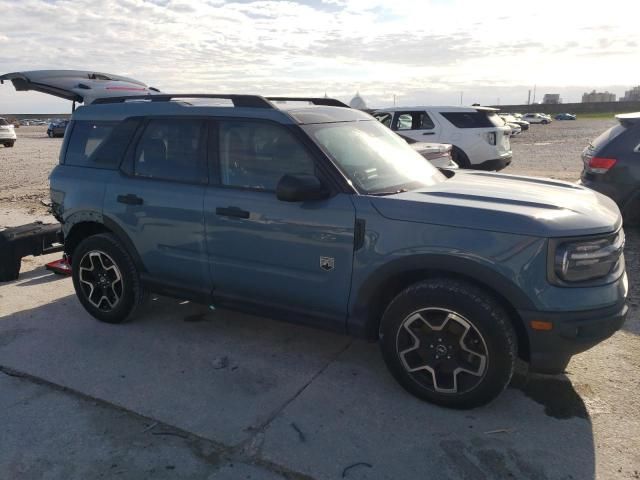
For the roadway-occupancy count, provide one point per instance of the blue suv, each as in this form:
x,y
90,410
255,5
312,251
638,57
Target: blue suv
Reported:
x,y
319,214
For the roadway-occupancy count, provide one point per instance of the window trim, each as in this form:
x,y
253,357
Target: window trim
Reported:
x,y
127,166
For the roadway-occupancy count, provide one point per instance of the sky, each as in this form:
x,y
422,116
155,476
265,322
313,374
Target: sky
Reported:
x,y
435,52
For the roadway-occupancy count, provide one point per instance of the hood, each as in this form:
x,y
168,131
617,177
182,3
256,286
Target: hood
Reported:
x,y
505,203
77,85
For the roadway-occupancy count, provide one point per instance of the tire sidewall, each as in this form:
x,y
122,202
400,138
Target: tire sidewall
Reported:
x,y
130,283
475,306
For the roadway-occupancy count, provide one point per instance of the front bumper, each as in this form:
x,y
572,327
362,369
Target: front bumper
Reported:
x,y
572,332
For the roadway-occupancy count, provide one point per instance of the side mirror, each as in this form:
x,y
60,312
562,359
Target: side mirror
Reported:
x,y
300,188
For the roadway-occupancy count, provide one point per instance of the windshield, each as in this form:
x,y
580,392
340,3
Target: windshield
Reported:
x,y
376,160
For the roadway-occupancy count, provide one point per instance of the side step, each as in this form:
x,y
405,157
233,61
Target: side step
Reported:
x,y
30,239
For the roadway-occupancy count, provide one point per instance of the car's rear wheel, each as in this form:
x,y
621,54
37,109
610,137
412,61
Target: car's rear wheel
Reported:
x,y
449,342
9,144
105,278
460,158
545,122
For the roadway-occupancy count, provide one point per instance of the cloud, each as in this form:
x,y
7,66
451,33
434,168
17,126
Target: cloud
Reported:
x,y
423,50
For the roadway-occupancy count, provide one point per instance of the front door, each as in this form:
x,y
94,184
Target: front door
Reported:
x,y
269,252
158,202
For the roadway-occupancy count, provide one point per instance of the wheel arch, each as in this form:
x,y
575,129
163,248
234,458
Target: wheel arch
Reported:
x,y
80,230
383,285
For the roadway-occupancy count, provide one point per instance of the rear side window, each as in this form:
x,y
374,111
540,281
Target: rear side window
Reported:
x,y
84,141
477,119
384,118
172,149
607,136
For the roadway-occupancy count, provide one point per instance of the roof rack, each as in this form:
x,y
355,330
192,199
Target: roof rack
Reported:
x,y
329,102
250,101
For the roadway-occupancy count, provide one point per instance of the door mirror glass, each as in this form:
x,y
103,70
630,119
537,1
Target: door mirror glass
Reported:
x,y
300,188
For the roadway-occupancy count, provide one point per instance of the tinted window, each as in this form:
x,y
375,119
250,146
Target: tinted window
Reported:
x,y
478,119
172,149
257,155
86,137
414,121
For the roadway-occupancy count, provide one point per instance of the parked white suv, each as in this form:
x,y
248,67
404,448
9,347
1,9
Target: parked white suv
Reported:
x,y
7,133
479,137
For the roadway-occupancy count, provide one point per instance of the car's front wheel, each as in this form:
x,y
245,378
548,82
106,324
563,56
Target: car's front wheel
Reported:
x,y
106,279
449,342
9,144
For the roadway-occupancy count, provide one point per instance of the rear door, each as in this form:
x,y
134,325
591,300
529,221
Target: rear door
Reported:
x,y
77,85
417,125
291,255
157,200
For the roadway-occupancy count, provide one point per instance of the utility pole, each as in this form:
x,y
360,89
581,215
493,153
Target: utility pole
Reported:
x,y
529,98
461,94
534,93
394,99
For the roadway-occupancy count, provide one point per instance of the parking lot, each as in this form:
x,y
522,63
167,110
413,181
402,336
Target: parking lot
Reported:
x,y
189,391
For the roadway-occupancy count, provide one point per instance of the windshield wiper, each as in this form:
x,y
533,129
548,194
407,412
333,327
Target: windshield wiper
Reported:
x,y
382,194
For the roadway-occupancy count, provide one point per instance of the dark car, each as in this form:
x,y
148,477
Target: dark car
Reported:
x,y
57,129
565,116
612,165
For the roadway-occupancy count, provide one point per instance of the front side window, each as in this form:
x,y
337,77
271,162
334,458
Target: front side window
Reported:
x,y
375,159
172,149
258,154
414,121
384,118
84,141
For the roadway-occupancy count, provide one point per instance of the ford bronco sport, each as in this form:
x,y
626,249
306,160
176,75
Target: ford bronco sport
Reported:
x,y
320,214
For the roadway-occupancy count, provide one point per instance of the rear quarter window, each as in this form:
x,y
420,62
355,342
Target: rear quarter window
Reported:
x,y
98,144
478,119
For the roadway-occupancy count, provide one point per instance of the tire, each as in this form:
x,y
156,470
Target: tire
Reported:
x,y
545,122
106,279
631,212
439,325
9,144
460,158
49,133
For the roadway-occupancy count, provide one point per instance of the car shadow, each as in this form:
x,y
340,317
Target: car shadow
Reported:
x,y
36,276
232,378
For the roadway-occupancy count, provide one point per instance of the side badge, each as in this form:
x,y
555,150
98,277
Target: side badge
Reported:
x,y
327,263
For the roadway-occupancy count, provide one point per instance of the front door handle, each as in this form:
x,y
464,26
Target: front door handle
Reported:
x,y
130,199
429,133
232,212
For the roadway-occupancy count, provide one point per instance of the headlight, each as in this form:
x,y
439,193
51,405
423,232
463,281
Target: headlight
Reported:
x,y
583,260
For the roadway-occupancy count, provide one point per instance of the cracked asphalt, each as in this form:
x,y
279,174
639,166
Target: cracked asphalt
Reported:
x,y
189,392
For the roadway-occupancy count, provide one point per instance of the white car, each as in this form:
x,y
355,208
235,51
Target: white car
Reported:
x,y
537,118
478,135
7,133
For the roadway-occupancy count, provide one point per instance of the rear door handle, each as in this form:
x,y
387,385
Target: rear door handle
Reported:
x,y
232,212
429,133
130,199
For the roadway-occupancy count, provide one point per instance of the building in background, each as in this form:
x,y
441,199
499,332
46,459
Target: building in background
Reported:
x,y
551,98
632,95
358,102
595,97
